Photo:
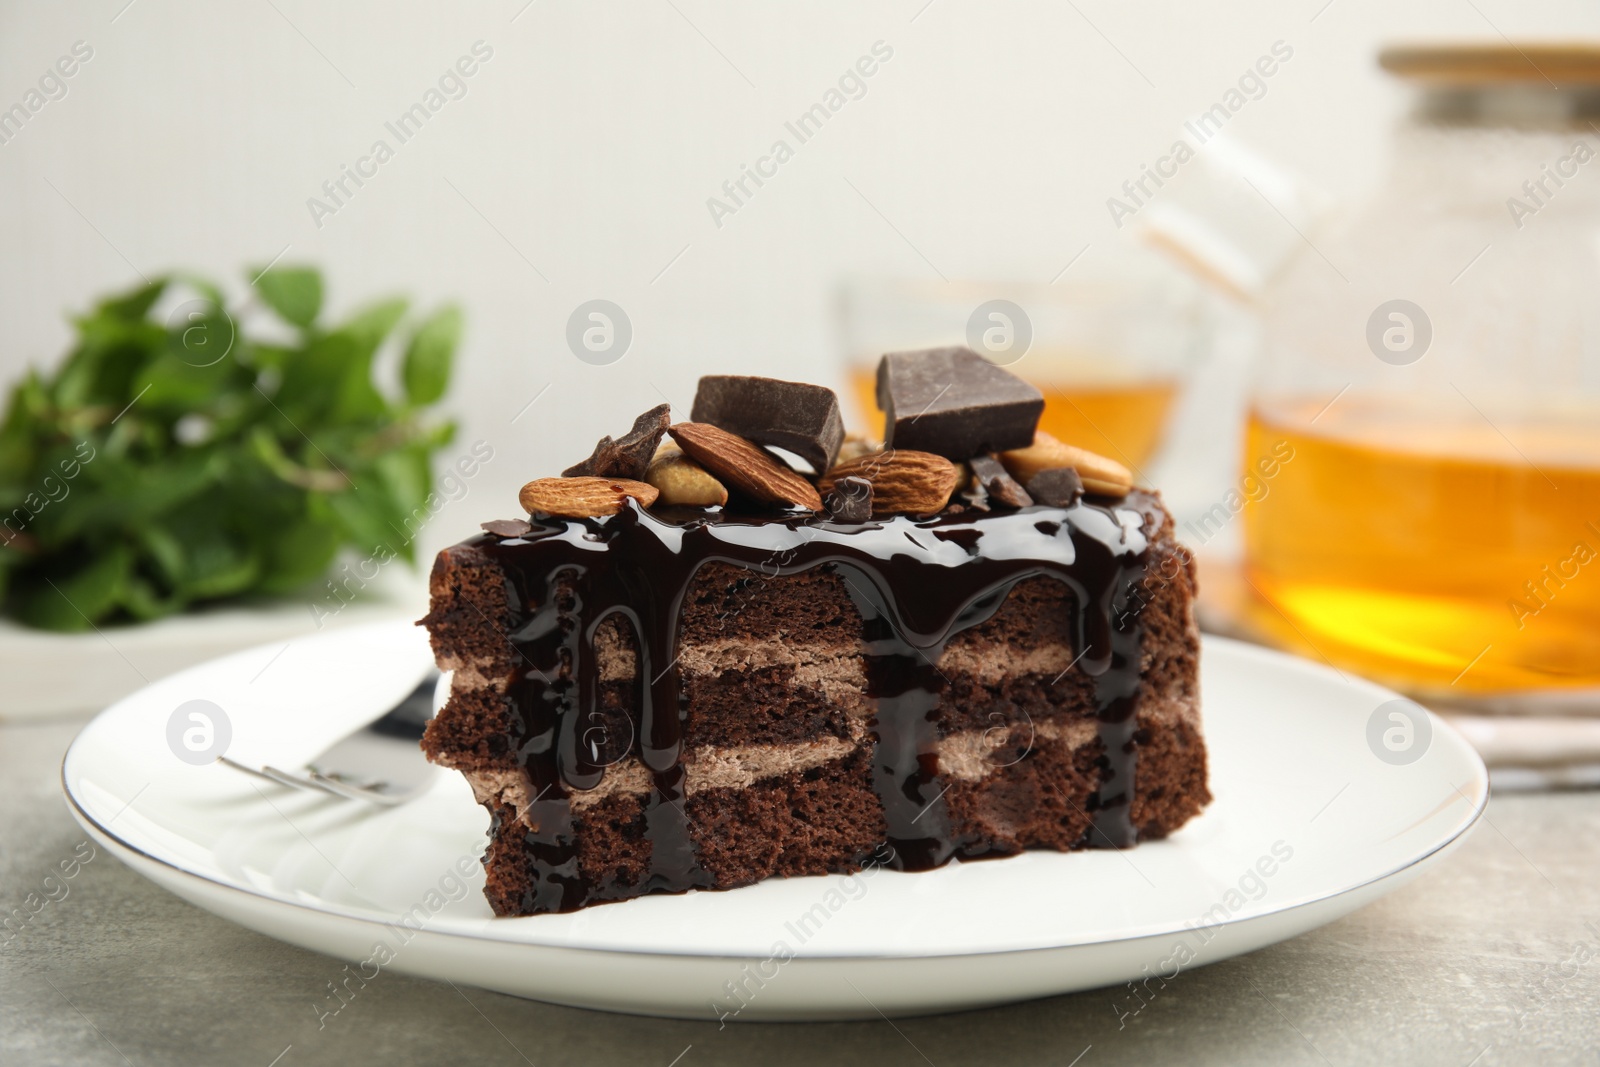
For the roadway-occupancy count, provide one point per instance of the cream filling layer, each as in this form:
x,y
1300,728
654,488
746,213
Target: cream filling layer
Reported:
x,y
968,756
838,671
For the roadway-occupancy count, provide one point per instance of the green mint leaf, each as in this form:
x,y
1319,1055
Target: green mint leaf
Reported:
x,y
135,304
70,599
145,601
148,475
331,377
295,293
430,355
215,564
177,388
111,354
369,326
301,552
368,518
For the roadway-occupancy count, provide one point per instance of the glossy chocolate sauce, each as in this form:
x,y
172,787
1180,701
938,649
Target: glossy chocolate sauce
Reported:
x,y
916,582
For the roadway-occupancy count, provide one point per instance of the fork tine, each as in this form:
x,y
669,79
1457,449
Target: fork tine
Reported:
x,y
256,772
353,792
368,773
295,781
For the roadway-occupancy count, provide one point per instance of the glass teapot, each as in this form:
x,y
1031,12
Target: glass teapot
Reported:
x,y
1423,437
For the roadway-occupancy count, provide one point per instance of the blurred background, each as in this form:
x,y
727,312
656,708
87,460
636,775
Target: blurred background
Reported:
x,y
579,163
939,156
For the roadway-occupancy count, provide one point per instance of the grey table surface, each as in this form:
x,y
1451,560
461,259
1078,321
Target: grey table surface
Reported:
x,y
1492,957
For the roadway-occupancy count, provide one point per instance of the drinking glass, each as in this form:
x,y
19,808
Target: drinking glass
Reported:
x,y
1110,354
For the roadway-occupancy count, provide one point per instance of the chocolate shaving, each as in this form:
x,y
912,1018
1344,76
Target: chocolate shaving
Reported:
x,y
851,499
629,455
1058,487
1002,489
507,527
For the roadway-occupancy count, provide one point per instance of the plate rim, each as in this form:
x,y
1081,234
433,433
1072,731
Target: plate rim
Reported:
x,y
1480,780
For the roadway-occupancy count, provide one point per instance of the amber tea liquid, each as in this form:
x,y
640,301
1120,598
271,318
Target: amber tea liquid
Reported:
x,y
1434,550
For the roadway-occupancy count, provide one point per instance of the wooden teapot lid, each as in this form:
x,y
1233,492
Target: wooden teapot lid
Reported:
x,y
1555,64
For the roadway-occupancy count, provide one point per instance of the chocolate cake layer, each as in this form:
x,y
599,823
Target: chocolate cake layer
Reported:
x,y
669,700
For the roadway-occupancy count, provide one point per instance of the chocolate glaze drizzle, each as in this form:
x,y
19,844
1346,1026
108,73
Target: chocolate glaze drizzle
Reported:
x,y
916,582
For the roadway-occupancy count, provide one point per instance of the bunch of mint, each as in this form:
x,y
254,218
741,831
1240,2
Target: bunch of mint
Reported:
x,y
174,461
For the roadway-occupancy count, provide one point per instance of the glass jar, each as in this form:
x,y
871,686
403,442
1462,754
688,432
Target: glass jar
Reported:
x,y
1426,421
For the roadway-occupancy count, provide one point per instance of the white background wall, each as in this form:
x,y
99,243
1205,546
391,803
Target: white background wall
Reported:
x,y
588,145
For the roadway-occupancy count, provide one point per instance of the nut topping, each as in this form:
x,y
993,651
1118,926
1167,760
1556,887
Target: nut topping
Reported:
x,y
682,481
744,467
581,498
1099,474
903,482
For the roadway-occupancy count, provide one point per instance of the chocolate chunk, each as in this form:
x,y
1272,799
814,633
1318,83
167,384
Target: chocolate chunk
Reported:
x,y
972,496
629,456
1058,487
507,527
851,499
796,417
1001,488
954,402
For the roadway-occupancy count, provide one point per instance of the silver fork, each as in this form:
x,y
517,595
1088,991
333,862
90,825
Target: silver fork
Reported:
x,y
379,762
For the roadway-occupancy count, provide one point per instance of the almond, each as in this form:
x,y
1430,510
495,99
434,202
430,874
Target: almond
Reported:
x,y
579,498
683,481
903,482
744,466
1099,474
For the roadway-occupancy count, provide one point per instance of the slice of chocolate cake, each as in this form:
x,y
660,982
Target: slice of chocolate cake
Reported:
x,y
655,692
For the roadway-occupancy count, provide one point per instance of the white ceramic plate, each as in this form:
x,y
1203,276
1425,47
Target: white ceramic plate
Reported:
x,y
1309,823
